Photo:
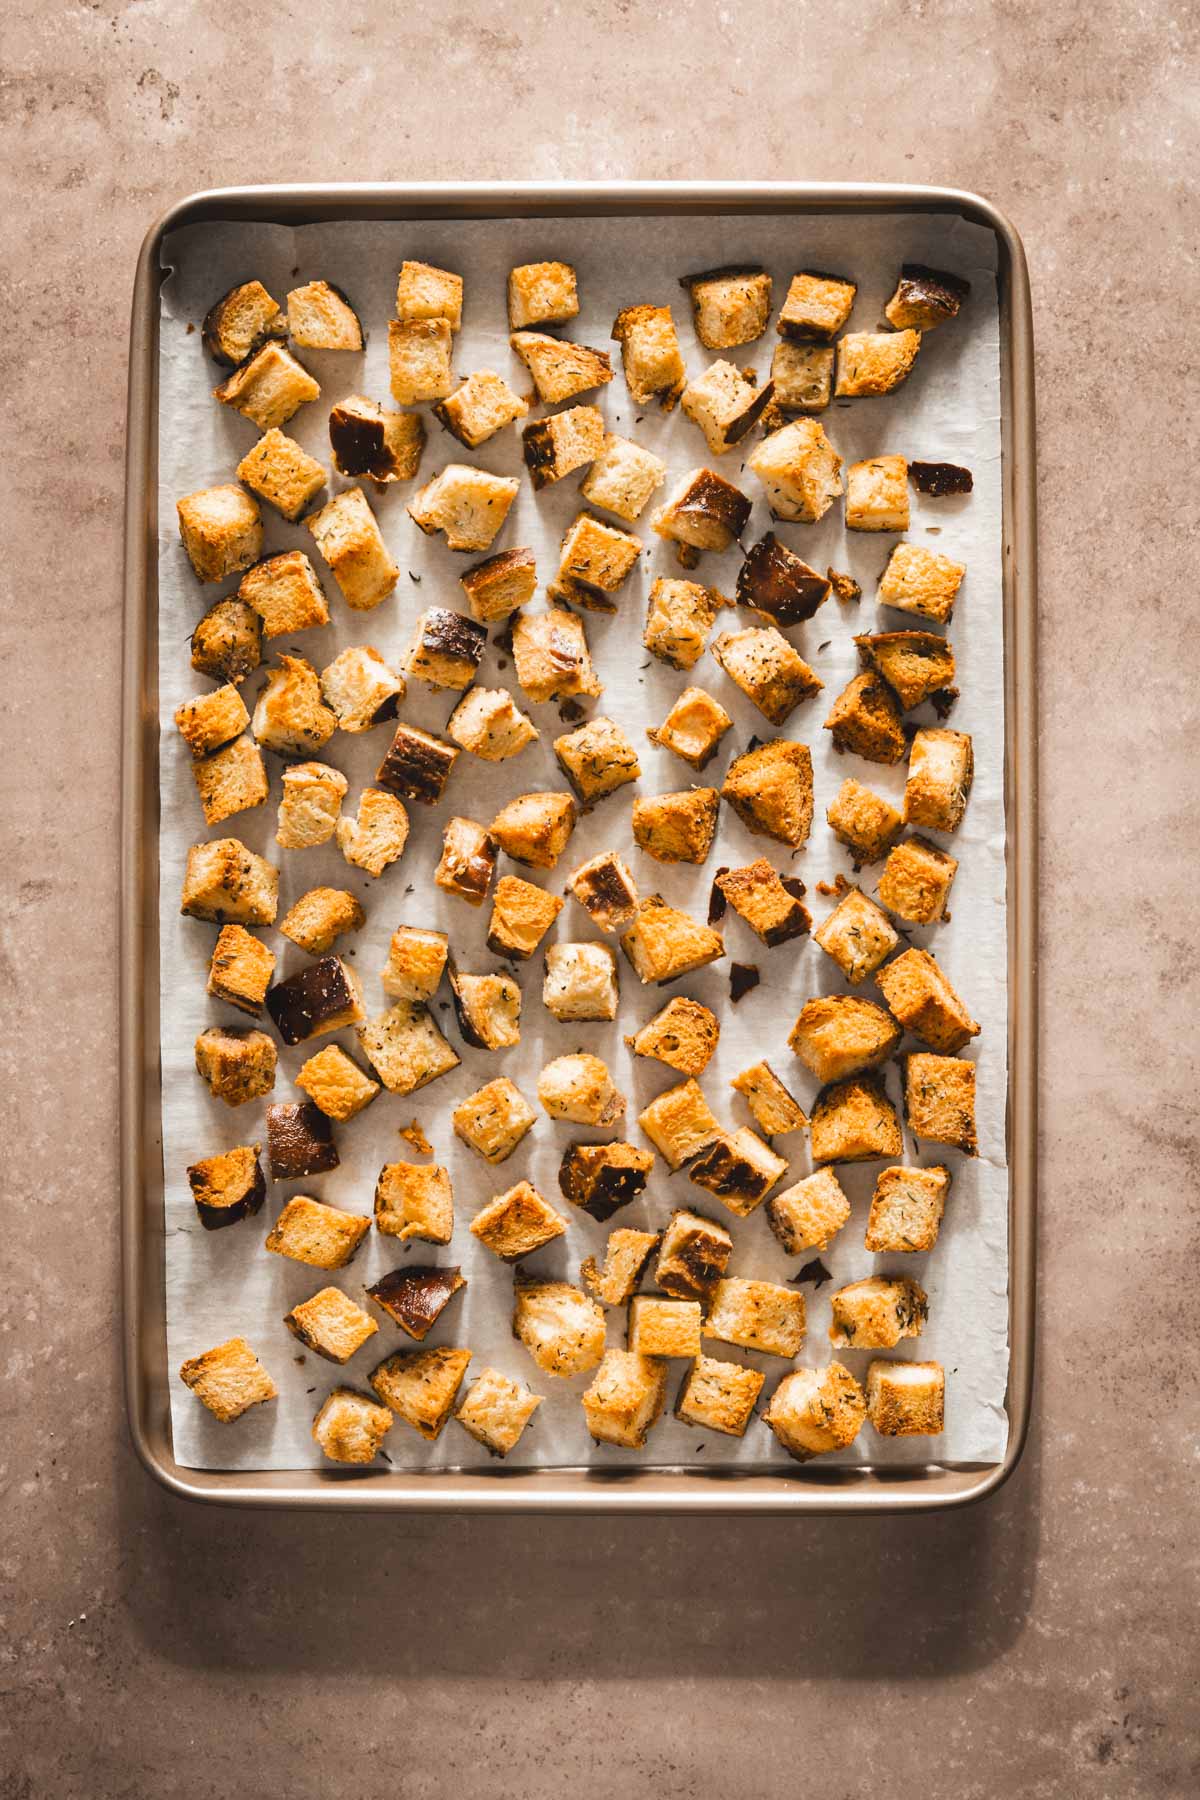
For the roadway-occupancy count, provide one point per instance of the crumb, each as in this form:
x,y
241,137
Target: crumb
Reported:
x,y
814,1271
742,977
412,1134
717,903
839,886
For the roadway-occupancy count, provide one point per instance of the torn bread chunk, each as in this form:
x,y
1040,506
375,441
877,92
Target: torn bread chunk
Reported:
x,y
625,1398
319,917
550,653
906,1399
718,1395
467,862
446,648
212,719
663,942
308,810
813,1411
874,362
228,1379
836,1035
580,982
522,914
291,718
423,292
776,582
321,318
366,440
563,441
921,997
359,688
816,307
776,1112
416,963
417,765
534,828
269,387
650,355
939,1100
240,321
221,530
770,905
376,836
858,935
705,512
876,1313
725,402
335,1083
414,1200
405,1047
941,768
729,306
693,1257
415,1296
602,1178
581,1090
323,1237
770,788
680,1124
906,1210
679,617
865,822
299,1140
468,506
421,1386
493,1120
916,880
865,720
562,1329
228,884
237,1065
809,1215
228,1187
667,1328
626,1254
542,293
739,1170
802,376
925,298
347,534
488,1009
561,369
623,477
676,827
854,1121
683,1035
323,997
240,969
693,728
606,890
800,470
285,593
517,1223
330,1325
773,676
917,665
281,473
495,1411
500,584
877,494
756,1315
596,559
483,405
227,642
419,352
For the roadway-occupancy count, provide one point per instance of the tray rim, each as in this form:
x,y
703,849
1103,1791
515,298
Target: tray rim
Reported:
x,y
812,1491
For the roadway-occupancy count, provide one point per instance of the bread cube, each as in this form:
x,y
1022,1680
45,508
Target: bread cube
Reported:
x,y
321,318
676,827
495,1411
858,935
562,1329
906,1209
290,717
488,723
414,1200
596,558
623,477
232,781
874,362
625,1398
802,376
522,914
877,495
229,885
666,1328
601,1178
606,890
597,758
625,1257
756,1315
566,440
467,862
227,642
283,474
308,810
863,821
377,835
336,1084
726,403
331,1325
221,529
770,789
493,1120
482,406
560,369
488,1009
941,768
541,293
800,470
705,512
319,917
347,534
239,322
240,970
865,720
237,1065
423,292
771,674
421,1386
417,765
550,651
534,828
906,1399
693,728
729,306
285,593
650,355
875,1314
299,1141
364,439
517,1223
227,1187
917,665
836,1035
664,943
405,1048
776,1112
923,1000
816,307
359,689
939,1100
324,997
580,982
916,881
322,1236
580,1088
770,905
693,1256
719,1395
416,962
813,1411
683,1035
680,1124
228,1379
468,506
739,1169
500,584
268,387
854,1121
809,1214
679,617
925,298
419,353
415,1296
776,582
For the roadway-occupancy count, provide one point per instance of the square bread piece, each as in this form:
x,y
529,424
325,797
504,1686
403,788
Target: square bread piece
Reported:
x,y
650,355
906,1399
550,653
704,512
228,1379
468,861
906,1209
770,788
809,1215
693,728
359,689
863,821
228,884
421,1386
756,1315
773,675
726,403
232,781
865,720
423,292
719,1395
493,1120
239,321
596,558
739,1170
415,1200
331,1325
227,642
597,758
693,1257
623,477
542,293
290,718
917,665
482,406
446,648
876,1313
516,1223
857,935
580,1088
939,1100
522,914
664,943
488,723
350,1428
680,1124
683,1035
877,494
285,593
925,298
679,617
676,828
800,470
280,472
336,1084
776,1112
626,1396
665,1328
854,1121
221,530
941,769
625,1257
919,994
365,439
916,880
321,318
606,890
212,719
417,765
346,533
269,387
580,982
405,1047
500,584
467,505
802,376
779,585
874,362
602,1178
240,970
816,307
319,918
308,810
325,996
559,368
495,1411
416,963
769,905
237,1065
322,1236
419,352
562,441
813,1411
560,1326
729,306
487,1009
415,1295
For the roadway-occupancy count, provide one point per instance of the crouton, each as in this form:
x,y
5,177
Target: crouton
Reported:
x,y
596,559
308,811
421,1386
877,495
776,1112
836,1035
560,369
858,935
416,1296
364,439
229,885
330,1325
625,1257
650,355
915,664
322,1236
770,789
493,1120
237,1065
705,512
906,1399
775,582
240,321
625,1398
694,1255
423,292
906,1209
534,828
419,353
726,403
405,1047
816,307
517,1223
228,1187
348,537
377,835
679,617
739,1169
281,473
854,1121
323,997
719,1395
467,862
941,768
291,718
802,376
232,781
597,758
359,689
683,1035
693,728
813,1411
865,720
874,362
240,970
922,998
800,470
771,908
606,890
920,581
417,765
321,318
541,293
299,1140
863,821
663,942
483,405
446,648
676,827
771,674
488,1009
500,584
221,530
602,1178
550,652
875,1314
563,441
228,1379
808,1215
317,919
285,593
623,477
756,1315
939,1100
416,962
667,1328
336,1084
268,387
414,1200
495,1411
580,982
580,1089
916,880
680,1124
522,914
729,306
562,1329
468,506
925,298
227,642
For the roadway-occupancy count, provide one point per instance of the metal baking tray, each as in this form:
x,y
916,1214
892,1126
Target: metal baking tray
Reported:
x,y
812,1489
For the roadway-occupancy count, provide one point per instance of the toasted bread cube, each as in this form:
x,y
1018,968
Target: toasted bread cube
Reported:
x,y
877,495
468,506
541,293
311,802
495,1411
606,890
693,728
228,1379
229,885
680,1124
331,1325
580,1088
281,473
322,1236
416,1295
601,1178
534,828
336,1084
364,439
268,387
550,652
232,781
770,789
816,307
906,1399
915,664
776,1112
318,918
941,768
416,962
240,970
874,362
564,441
906,1209
560,369
500,584
664,943
488,1009
865,719
756,1315
227,642
677,827
324,997
237,1065
626,1396
863,821
596,558
623,477
228,1187
446,648
377,836
719,1395
285,593
726,403
925,298
650,355
739,1169
493,1120
405,1047
522,914
239,322
580,982
854,1121
923,999
300,1139
359,688
939,1100
771,674
488,723
421,1386
597,758
625,1257
419,353
481,407
562,1329
771,907
875,1314
221,529
858,935
665,1328
348,537
729,306
777,583
800,470
802,376
916,881
683,1036
417,765
836,1035
517,1223
679,618
705,512
423,292
291,718
809,1215
693,1257
321,318
813,1411
414,1200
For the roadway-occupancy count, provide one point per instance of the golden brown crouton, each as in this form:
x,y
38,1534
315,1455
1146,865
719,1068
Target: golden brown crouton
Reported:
x,y
772,909
228,1379
522,914
836,1035
517,1223
770,788
876,1313
561,369
906,1399
906,1210
664,943
683,1035
922,998
347,534
679,617
237,1065
865,719
625,1398
877,494
858,935
650,354
676,827
719,1395
916,881
281,473
768,670
939,1100
809,1215
597,758
693,728
550,651
800,470
221,529
854,1121
863,821
776,1112
542,293
813,1411
874,362
534,828
268,387
941,769
729,306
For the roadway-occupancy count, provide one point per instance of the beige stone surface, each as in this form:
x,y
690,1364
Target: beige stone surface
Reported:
x,y
1042,1645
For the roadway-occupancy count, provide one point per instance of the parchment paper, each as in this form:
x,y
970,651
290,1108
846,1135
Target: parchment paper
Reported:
x,y
222,1283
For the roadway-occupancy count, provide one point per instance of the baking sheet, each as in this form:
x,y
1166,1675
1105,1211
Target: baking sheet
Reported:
x,y
218,1284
